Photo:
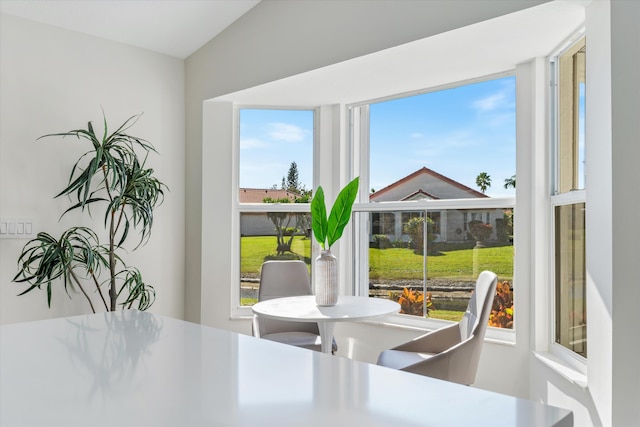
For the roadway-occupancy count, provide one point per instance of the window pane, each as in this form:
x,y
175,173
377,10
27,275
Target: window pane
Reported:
x,y
270,236
571,298
454,259
448,144
571,118
276,154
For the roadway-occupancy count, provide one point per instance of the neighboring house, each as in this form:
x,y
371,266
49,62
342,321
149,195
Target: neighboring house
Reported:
x,y
258,224
448,225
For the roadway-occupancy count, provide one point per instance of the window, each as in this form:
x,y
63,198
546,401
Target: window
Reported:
x,y
275,176
430,224
570,295
571,96
568,201
433,275
383,223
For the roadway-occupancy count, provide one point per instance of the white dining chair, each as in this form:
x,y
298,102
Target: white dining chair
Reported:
x,y
280,279
451,353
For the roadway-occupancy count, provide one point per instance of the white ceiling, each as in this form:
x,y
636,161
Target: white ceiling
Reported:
x,y
173,27
180,27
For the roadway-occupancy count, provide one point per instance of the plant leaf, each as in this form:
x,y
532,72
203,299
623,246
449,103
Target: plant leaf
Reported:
x,y
341,211
319,217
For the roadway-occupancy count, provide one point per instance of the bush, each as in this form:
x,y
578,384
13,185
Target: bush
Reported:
x,y
412,302
400,244
381,241
414,228
479,230
502,311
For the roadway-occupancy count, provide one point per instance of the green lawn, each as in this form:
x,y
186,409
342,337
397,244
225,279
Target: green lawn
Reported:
x,y
457,262
392,263
463,264
453,316
255,250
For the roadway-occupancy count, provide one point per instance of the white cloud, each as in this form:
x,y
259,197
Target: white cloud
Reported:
x,y
286,132
457,139
250,143
490,103
417,135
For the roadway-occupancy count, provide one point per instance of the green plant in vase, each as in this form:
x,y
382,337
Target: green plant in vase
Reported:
x,y
327,230
113,175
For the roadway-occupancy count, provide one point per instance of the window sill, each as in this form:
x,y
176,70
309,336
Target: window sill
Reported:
x,y
493,335
559,366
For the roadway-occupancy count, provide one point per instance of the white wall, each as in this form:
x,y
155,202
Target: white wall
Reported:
x,y
625,133
613,288
53,80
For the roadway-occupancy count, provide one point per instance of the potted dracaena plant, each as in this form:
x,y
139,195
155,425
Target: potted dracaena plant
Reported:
x,y
112,175
327,230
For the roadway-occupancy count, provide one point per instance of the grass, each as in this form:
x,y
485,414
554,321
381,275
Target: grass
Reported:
x,y
255,250
456,262
461,264
454,316
451,262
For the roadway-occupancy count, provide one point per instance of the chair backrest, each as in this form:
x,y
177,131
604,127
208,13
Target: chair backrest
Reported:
x,y
283,279
477,314
280,279
464,361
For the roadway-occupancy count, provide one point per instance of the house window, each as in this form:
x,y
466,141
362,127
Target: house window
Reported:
x,y
408,216
568,200
383,223
275,182
435,223
423,156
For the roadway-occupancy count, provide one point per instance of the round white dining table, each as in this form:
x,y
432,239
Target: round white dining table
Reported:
x,y
304,309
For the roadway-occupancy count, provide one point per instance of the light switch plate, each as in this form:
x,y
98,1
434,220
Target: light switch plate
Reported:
x,y
17,228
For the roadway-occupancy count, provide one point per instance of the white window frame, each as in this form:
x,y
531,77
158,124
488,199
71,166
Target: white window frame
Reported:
x,y
571,358
565,355
361,258
358,120
237,311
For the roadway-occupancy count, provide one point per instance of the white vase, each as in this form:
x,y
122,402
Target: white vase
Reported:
x,y
325,279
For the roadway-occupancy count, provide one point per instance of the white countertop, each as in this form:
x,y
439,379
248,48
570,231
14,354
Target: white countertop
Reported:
x,y
138,369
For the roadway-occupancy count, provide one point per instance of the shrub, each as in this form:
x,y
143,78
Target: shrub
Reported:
x,y
382,241
504,226
414,228
412,302
479,230
399,244
502,311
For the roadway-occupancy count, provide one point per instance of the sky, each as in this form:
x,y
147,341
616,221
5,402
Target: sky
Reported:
x,y
270,140
458,133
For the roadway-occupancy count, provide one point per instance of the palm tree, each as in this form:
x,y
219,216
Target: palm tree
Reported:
x,y
510,182
483,181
